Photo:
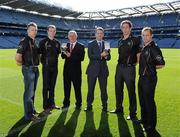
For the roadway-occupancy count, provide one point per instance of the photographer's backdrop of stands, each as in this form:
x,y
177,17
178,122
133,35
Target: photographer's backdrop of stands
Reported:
x,y
13,27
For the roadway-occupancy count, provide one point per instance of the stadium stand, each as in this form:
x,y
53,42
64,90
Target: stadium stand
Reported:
x,y
13,27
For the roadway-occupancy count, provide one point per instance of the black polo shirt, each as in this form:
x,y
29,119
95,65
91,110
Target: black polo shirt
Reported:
x,y
30,52
151,56
50,50
128,49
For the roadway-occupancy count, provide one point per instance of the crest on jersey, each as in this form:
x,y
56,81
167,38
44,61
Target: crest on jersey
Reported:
x,y
158,58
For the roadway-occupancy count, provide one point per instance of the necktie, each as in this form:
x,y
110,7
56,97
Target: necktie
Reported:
x,y
100,46
71,47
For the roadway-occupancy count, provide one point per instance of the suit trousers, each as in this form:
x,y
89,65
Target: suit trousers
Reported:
x,y
103,88
75,77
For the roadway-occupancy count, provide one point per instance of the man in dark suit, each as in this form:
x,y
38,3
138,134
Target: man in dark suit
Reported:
x,y
73,55
97,68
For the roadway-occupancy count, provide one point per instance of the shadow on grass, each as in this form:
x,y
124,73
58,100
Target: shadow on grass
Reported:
x,y
103,130
138,129
153,134
89,127
56,130
123,127
60,129
36,128
71,124
17,127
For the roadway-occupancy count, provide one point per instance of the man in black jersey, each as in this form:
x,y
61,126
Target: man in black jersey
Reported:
x,y
49,49
28,56
151,58
128,49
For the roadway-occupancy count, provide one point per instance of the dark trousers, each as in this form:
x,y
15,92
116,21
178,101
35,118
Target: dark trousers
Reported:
x,y
49,74
103,87
31,75
146,90
125,74
74,77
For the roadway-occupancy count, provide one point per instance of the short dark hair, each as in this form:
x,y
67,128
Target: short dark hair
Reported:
x,y
126,22
31,24
147,29
51,26
100,28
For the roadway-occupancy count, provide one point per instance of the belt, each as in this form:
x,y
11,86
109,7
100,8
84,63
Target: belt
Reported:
x,y
126,65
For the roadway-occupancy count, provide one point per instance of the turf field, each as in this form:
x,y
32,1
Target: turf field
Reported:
x,y
79,123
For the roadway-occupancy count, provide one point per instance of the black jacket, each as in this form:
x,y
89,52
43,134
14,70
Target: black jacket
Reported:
x,y
151,56
73,63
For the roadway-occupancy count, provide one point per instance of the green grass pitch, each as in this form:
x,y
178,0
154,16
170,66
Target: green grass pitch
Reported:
x,y
79,123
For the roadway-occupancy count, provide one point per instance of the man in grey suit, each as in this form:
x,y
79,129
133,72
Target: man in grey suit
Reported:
x,y
97,68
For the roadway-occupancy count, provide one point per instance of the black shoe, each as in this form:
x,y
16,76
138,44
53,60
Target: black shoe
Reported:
x,y
140,121
88,109
116,111
150,129
47,111
133,118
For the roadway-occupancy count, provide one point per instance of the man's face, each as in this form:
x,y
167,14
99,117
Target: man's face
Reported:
x,y
32,31
146,36
72,37
51,32
125,28
99,35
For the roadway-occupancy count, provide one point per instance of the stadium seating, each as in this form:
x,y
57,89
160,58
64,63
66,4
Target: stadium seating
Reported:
x,y
13,27
166,42
177,44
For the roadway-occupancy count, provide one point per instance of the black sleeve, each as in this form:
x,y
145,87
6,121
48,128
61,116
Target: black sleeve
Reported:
x,y
41,43
157,55
59,47
21,47
138,43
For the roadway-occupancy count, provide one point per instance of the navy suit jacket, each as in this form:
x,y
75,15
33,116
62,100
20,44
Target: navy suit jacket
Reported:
x,y
97,65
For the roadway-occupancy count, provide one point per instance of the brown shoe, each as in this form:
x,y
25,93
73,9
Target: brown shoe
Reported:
x,y
34,118
54,107
47,111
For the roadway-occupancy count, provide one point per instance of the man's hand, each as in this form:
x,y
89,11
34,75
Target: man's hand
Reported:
x,y
18,59
104,54
68,54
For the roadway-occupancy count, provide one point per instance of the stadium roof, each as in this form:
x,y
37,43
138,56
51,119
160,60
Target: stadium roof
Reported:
x,y
52,10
